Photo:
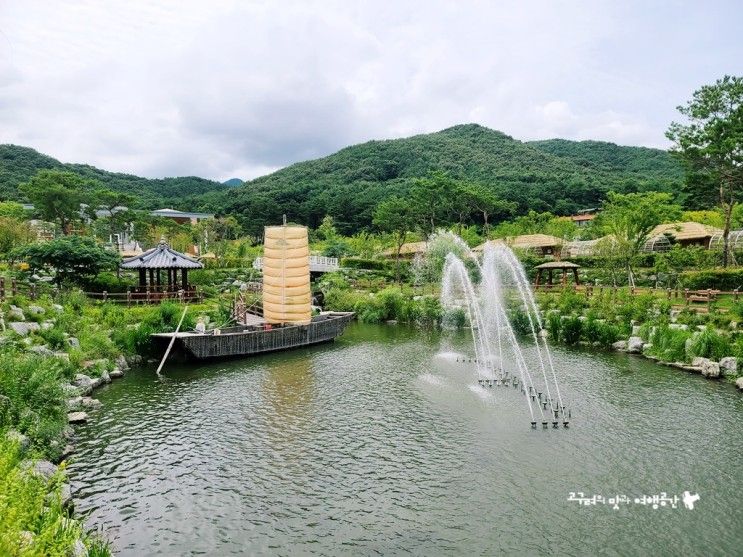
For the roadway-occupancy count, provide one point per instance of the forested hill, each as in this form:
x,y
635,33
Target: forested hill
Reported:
x,y
609,157
544,176
18,164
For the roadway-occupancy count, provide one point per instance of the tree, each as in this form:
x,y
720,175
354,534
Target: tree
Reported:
x,y
488,205
115,204
73,258
432,197
13,210
629,219
57,196
710,145
395,215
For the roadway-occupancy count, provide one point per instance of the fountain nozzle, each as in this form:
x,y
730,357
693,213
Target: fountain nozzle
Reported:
x,y
544,425
534,425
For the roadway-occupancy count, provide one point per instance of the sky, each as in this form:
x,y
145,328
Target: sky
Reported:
x,y
225,89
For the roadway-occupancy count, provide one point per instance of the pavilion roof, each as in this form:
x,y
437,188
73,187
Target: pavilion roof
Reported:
x,y
685,230
161,257
558,265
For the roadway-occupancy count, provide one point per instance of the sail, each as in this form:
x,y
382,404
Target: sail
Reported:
x,y
286,275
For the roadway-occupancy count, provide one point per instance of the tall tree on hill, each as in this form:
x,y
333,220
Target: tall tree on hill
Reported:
x,y
433,198
396,216
57,196
710,144
488,204
628,219
116,205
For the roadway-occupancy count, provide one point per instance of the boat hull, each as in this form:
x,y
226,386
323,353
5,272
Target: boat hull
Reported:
x,y
233,343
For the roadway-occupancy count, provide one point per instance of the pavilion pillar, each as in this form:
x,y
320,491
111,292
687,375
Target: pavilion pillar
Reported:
x,y
170,279
575,275
142,277
549,277
539,275
184,278
152,278
564,277
158,277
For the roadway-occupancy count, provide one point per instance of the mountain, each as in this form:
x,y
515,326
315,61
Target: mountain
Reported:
x,y
19,164
557,175
232,182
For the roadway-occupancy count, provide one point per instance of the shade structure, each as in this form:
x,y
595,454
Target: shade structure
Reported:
x,y
286,275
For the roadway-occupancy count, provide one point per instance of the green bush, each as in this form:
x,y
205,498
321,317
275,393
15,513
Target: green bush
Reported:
x,y
710,344
718,279
520,321
669,344
571,330
554,324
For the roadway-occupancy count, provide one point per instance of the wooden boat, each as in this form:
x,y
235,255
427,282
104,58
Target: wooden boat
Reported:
x,y
283,319
247,340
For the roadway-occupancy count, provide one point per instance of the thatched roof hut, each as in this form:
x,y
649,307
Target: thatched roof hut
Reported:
x,y
408,250
543,244
684,233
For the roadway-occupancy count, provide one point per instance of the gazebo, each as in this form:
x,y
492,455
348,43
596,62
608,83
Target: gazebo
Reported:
x,y
150,265
551,266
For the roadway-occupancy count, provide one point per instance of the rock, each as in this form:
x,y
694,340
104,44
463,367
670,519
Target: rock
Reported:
x,y
23,328
18,437
739,383
36,310
84,383
66,495
68,433
678,326
74,403
620,345
79,549
698,361
105,377
26,538
647,347
70,390
69,448
134,360
634,345
711,369
635,330
116,373
42,469
41,350
121,363
62,356
391,322
729,366
77,417
58,308
74,342
46,325
88,402
16,314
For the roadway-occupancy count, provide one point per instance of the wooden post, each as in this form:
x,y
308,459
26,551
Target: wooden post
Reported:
x,y
148,294
13,288
184,278
172,341
735,295
105,296
128,297
2,289
686,295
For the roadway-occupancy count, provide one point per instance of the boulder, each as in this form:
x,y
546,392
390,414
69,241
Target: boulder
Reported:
x,y
62,356
739,383
41,350
678,326
79,549
74,342
58,308
70,390
77,417
105,376
42,469
699,362
69,448
711,369
729,366
88,402
26,539
635,330
620,345
23,328
46,325
121,363
74,403
84,383
16,314
36,310
634,345
134,360
66,495
116,373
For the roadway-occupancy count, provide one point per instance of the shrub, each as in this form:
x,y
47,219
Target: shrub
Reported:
x,y
608,334
718,279
591,330
554,324
710,344
520,321
571,330
669,344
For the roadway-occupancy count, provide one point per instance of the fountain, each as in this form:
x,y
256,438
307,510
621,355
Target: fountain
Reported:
x,y
503,284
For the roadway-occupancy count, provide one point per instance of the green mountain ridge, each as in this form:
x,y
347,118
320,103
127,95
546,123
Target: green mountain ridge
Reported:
x,y
543,176
554,175
18,164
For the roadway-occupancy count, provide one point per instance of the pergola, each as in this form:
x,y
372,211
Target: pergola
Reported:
x,y
151,263
551,266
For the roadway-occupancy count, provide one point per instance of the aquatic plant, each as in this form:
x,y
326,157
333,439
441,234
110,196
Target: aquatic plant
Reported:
x,y
570,332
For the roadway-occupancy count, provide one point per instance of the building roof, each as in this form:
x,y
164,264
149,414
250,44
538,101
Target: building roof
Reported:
x,y
172,213
558,265
527,241
685,230
161,257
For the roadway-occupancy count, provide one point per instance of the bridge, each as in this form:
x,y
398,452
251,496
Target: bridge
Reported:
x,y
318,264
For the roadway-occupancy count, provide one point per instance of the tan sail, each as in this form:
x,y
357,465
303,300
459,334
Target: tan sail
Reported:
x,y
286,275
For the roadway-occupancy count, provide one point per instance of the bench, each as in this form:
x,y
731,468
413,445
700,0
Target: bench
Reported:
x,y
706,296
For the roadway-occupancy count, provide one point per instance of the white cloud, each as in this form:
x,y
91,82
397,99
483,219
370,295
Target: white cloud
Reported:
x,y
224,89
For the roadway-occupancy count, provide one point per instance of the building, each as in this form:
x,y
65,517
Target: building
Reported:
x,y
583,217
682,233
182,217
541,244
408,250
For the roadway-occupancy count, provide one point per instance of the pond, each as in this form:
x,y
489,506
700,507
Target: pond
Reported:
x,y
374,445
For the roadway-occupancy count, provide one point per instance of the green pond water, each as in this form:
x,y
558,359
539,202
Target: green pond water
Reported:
x,y
376,445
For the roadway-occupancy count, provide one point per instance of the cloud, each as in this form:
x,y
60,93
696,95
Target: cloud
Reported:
x,y
226,89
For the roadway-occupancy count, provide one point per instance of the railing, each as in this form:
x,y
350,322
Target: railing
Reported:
x,y
318,264
686,295
147,296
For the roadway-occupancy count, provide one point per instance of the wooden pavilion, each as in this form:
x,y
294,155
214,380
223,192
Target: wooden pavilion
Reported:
x,y
550,267
151,264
